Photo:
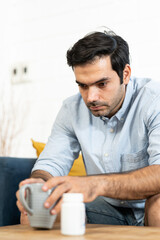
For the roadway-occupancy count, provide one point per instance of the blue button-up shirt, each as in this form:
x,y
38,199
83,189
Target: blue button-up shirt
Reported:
x,y
127,141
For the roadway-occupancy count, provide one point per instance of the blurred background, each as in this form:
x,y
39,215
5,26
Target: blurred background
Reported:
x,y
34,76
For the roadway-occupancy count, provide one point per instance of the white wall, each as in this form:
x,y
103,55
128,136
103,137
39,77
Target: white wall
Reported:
x,y
38,34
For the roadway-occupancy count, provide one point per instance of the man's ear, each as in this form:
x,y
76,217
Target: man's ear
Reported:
x,y
126,74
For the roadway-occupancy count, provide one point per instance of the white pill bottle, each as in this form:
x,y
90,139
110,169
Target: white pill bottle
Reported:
x,y
72,214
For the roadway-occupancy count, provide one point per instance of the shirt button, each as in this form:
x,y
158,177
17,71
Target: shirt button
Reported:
x,y
122,119
111,130
122,202
106,154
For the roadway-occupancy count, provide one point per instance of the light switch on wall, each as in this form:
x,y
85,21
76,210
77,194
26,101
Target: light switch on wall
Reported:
x,y
20,73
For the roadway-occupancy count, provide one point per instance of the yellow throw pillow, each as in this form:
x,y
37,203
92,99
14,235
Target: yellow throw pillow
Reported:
x,y
38,146
78,168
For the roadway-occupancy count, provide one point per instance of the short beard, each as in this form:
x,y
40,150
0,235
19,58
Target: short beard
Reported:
x,y
96,103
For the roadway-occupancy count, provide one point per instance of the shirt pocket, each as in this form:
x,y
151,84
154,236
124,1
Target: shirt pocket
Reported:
x,y
134,161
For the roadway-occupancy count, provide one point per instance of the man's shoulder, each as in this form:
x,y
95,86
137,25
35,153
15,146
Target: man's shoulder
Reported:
x,y
140,82
146,85
75,103
73,100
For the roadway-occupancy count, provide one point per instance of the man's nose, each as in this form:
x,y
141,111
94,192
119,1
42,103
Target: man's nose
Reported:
x,y
93,94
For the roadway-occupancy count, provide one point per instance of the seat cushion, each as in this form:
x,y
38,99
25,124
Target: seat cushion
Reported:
x,y
12,171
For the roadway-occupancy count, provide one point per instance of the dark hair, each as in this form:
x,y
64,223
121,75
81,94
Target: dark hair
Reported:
x,y
100,44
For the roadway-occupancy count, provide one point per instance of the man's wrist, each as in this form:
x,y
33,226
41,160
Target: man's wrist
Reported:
x,y
98,182
41,174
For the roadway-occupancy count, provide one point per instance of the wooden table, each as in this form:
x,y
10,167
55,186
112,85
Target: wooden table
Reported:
x,y
94,231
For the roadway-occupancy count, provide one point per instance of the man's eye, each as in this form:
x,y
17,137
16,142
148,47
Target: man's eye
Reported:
x,y
102,84
82,86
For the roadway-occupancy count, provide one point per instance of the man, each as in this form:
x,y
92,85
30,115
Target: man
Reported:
x,y
115,122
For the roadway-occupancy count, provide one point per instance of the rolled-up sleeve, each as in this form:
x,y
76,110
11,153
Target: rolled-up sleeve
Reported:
x,y
153,127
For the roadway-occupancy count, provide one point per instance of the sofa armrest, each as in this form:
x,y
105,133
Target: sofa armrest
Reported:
x,y
12,172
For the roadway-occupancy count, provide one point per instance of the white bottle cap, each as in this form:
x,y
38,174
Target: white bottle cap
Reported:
x,y
72,197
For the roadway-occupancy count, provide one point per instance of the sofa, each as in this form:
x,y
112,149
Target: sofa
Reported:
x,y
12,171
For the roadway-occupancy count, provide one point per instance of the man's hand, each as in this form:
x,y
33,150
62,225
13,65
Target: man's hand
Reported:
x,y
24,217
67,184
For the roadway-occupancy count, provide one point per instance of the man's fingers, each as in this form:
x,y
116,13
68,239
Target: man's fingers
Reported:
x,y
53,182
56,194
24,219
57,207
21,208
31,180
19,205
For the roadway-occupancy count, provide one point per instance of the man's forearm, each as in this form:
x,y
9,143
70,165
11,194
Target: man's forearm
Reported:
x,y
139,184
41,174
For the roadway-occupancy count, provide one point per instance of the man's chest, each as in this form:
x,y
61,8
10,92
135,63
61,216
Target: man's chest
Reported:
x,y
115,146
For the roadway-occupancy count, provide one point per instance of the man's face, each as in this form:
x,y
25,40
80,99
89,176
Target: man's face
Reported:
x,y
100,86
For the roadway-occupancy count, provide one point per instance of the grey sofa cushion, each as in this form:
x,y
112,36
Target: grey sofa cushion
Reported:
x,y
12,171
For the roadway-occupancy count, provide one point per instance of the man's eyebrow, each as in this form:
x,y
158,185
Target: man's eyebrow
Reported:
x,y
101,80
